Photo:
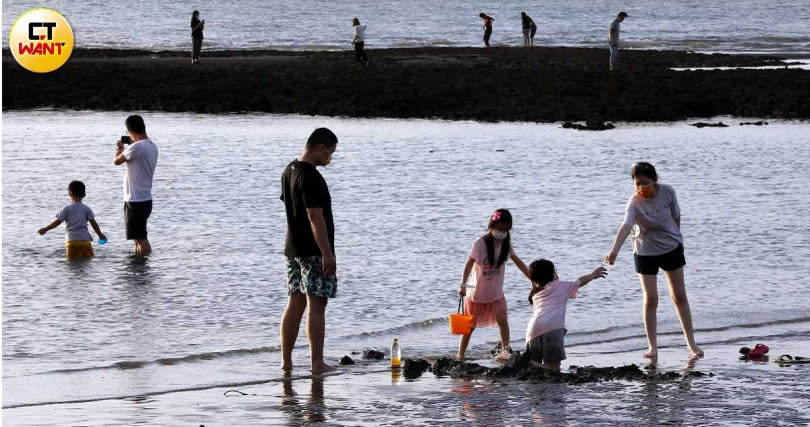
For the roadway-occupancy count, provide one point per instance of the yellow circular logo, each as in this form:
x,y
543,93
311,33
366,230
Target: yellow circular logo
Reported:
x,y
41,40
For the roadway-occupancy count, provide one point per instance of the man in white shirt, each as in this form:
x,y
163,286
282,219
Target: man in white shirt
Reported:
x,y
613,39
140,156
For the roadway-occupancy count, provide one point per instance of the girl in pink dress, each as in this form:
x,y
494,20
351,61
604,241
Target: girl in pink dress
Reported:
x,y
486,302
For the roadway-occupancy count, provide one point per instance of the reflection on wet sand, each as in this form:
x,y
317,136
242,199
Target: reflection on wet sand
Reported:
x,y
313,411
658,403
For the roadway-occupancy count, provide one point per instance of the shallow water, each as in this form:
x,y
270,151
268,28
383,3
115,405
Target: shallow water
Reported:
x,y
778,26
410,196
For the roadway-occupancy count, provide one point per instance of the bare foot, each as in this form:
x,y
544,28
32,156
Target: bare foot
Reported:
x,y
651,354
460,357
696,352
286,369
322,369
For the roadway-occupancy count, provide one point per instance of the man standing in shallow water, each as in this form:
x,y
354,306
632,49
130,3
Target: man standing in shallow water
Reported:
x,y
309,249
140,156
613,40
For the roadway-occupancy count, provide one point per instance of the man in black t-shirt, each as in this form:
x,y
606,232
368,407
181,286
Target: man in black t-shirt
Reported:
x,y
309,248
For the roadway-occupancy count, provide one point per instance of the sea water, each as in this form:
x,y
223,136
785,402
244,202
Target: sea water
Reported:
x,y
409,198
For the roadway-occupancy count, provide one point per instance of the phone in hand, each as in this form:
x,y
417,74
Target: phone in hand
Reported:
x,y
126,140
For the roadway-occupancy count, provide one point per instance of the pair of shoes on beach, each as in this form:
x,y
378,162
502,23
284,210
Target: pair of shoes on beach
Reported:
x,y
787,359
758,352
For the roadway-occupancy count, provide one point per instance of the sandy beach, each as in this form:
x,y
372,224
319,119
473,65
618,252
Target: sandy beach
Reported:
x,y
730,392
496,84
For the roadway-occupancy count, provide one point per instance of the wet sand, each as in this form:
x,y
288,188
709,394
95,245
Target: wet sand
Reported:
x,y
732,392
496,84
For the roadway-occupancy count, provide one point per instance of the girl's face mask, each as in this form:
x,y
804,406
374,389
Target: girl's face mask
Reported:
x,y
645,190
499,235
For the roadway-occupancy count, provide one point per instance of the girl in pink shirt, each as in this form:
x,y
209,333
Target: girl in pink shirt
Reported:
x,y
487,303
549,297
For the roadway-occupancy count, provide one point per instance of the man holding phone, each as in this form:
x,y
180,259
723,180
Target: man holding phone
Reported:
x,y
139,154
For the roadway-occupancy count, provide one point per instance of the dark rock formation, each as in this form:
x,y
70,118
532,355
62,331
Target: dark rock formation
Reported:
x,y
709,125
517,367
589,125
414,368
501,83
446,366
373,354
346,360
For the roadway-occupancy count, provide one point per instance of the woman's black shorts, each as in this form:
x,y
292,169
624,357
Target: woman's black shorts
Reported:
x,y
649,264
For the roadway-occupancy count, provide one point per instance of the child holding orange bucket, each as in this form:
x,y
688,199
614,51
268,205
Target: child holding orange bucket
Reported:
x,y
487,303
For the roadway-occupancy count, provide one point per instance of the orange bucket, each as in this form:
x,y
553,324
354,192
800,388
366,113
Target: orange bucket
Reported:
x,y
460,323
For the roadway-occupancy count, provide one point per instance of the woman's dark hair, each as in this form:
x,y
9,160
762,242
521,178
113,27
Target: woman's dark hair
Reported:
x,y
500,216
525,19
76,188
644,169
195,13
355,22
541,272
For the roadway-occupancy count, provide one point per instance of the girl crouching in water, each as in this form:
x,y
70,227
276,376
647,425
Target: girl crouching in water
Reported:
x,y
545,345
487,303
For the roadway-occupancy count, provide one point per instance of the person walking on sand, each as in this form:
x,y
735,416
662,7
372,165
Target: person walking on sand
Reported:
x,y
76,215
197,27
487,27
659,244
613,40
487,304
309,249
359,42
140,156
529,29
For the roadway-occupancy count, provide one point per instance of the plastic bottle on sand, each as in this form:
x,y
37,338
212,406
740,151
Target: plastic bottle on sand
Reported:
x,y
396,354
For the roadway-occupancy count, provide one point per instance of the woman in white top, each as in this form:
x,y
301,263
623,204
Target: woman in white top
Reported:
x,y
659,244
359,41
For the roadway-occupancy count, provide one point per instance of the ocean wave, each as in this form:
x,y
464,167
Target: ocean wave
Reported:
x,y
137,364
442,321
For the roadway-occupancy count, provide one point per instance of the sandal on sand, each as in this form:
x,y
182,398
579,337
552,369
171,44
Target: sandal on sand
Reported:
x,y
787,359
759,350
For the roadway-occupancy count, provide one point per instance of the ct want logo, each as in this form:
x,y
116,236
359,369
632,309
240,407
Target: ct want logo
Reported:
x,y
41,40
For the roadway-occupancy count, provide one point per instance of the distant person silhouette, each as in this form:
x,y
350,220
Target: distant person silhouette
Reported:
x,y
529,29
487,27
197,27
359,42
613,40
